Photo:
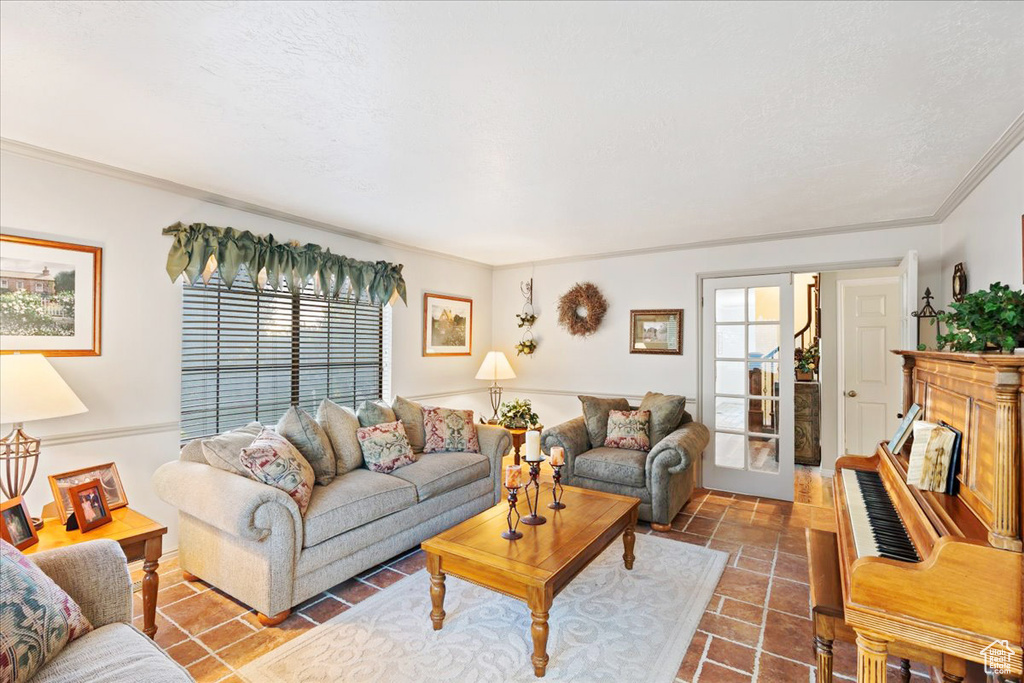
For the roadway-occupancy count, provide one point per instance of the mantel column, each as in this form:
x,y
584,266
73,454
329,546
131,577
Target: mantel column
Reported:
x,y
1005,531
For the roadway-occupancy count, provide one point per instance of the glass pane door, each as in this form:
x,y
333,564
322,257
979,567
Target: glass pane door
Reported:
x,y
748,396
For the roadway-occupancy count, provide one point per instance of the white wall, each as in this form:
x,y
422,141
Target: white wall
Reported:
x,y
133,387
984,232
564,365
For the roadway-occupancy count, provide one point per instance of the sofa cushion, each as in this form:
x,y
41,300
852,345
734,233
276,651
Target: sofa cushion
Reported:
x,y
595,413
271,459
629,429
341,424
449,431
372,413
354,499
310,439
411,415
116,652
222,451
613,465
667,412
37,618
437,473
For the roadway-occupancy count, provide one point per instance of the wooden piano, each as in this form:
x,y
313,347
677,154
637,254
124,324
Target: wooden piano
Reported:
x,y
929,570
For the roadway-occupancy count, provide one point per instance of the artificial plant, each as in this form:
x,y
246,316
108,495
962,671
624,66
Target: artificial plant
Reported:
x,y
517,414
985,320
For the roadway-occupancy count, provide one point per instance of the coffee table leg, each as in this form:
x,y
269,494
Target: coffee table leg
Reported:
x,y
436,590
629,539
539,602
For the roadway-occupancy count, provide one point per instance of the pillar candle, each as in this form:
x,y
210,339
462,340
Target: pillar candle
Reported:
x,y
533,446
557,456
513,476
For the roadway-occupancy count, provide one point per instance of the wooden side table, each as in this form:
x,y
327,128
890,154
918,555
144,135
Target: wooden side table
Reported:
x,y
139,537
519,439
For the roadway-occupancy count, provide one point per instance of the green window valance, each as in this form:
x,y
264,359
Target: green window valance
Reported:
x,y
279,264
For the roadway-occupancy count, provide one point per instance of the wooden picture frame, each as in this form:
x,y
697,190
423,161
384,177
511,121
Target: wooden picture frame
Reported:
x,y
110,481
90,505
65,302
447,325
16,524
656,331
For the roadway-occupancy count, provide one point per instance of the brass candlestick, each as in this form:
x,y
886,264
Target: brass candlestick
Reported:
x,y
512,533
533,519
557,489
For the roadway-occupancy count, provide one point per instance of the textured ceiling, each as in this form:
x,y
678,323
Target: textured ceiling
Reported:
x,y
517,131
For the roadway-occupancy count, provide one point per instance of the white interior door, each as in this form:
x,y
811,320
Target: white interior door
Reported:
x,y
747,384
870,379
908,302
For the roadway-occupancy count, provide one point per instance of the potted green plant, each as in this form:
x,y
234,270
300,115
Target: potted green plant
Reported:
x,y
518,414
986,320
807,362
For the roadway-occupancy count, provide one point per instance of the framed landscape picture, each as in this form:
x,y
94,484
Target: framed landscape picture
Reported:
x,y
656,331
110,484
447,325
49,297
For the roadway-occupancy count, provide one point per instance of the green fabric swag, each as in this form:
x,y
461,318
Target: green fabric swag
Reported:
x,y
286,264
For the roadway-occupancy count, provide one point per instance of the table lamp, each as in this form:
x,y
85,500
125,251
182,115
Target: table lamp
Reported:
x,y
495,367
30,390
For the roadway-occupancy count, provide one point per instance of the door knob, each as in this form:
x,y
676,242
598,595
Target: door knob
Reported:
x,y
851,393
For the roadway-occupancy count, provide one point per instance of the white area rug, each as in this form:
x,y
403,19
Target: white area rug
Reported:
x,y
608,624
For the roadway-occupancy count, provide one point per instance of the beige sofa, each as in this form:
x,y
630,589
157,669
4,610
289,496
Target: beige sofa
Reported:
x,y
250,541
95,575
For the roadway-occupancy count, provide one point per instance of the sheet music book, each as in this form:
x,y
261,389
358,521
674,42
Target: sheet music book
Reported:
x,y
952,483
903,431
930,456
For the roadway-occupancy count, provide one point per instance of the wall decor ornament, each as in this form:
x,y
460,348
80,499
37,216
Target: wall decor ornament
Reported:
x,y
527,345
50,296
581,309
658,331
447,325
959,282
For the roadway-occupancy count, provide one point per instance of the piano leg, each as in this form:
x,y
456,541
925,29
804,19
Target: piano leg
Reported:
x,y
953,669
904,671
824,634
871,656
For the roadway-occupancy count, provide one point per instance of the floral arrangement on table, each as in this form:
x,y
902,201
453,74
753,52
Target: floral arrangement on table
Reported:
x,y
807,360
986,320
518,414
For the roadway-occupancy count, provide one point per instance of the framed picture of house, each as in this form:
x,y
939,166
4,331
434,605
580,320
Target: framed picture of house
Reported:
x,y
447,325
49,297
657,331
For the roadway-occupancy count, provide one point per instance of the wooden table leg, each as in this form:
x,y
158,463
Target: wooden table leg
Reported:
x,y
151,584
824,634
436,591
629,539
539,602
954,669
871,656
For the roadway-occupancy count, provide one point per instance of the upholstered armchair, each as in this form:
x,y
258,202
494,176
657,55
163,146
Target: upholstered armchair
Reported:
x,y
662,478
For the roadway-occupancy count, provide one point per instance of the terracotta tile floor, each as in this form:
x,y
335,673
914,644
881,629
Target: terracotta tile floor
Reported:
x,y
757,626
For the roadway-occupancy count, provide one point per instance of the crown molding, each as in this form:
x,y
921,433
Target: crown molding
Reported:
x,y
1006,143
43,154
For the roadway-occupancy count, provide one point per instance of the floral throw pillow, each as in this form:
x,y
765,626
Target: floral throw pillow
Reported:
x,y
37,618
449,431
273,460
385,447
629,429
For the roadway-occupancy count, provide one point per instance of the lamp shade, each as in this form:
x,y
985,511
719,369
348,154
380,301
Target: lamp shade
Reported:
x,y
495,367
30,390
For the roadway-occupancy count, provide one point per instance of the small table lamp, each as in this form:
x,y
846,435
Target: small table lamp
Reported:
x,y
30,390
495,367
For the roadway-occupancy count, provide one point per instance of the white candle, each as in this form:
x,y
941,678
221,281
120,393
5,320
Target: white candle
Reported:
x,y
533,446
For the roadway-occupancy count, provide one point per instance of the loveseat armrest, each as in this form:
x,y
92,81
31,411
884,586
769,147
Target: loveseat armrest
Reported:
x,y
495,443
234,504
95,575
677,451
571,436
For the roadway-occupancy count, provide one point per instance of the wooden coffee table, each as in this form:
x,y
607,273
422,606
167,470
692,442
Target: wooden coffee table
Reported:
x,y
539,565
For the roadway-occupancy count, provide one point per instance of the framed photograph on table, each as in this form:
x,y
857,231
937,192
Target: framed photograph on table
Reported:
x,y
90,505
16,524
110,483
658,331
447,325
49,297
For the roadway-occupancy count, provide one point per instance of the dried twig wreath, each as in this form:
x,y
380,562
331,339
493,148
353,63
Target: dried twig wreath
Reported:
x,y
581,309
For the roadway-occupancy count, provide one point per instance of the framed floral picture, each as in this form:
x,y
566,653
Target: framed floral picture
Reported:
x,y
656,331
49,297
447,325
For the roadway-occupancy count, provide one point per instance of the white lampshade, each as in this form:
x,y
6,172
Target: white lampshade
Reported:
x,y
30,390
495,367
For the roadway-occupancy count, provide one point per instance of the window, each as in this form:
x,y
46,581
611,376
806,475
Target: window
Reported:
x,y
248,356
39,286
3,284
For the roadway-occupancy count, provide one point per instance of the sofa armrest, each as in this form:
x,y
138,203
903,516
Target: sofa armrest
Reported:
x,y
95,575
571,436
495,443
677,451
234,504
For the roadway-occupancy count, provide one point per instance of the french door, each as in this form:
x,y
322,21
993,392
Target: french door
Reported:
x,y
747,385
